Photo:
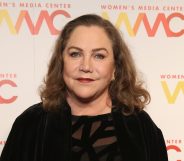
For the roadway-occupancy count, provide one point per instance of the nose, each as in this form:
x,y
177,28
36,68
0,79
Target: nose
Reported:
x,y
86,65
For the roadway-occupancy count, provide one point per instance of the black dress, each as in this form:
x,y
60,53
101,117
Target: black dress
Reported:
x,y
94,139
39,135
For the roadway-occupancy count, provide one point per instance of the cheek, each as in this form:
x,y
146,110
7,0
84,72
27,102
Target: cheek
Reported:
x,y
68,64
70,68
106,70
66,69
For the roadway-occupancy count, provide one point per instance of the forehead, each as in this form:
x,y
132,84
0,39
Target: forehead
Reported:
x,y
89,34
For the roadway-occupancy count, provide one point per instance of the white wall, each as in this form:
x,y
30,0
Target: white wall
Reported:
x,y
156,44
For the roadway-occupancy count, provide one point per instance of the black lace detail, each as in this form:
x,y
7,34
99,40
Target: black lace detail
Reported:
x,y
93,139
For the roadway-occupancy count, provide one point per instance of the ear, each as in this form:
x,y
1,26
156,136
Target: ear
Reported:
x,y
113,75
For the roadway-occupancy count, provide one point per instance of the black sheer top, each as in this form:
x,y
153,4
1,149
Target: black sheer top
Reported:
x,y
94,139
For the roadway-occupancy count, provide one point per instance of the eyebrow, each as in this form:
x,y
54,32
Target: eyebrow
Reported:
x,y
74,47
94,50
98,49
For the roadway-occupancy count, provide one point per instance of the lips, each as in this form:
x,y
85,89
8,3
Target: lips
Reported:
x,y
85,80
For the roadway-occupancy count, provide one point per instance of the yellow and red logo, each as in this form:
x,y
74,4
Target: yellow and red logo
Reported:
x,y
7,83
143,19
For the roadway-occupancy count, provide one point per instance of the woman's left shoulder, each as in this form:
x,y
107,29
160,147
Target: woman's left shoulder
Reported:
x,y
146,123
153,136
140,119
143,115
145,118
143,131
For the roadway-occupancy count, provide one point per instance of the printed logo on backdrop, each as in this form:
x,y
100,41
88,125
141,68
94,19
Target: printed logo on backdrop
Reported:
x,y
174,149
162,19
2,142
173,86
17,23
8,87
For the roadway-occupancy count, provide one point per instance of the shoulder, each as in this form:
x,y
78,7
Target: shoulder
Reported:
x,y
137,119
144,120
27,127
143,131
33,114
153,137
33,111
144,117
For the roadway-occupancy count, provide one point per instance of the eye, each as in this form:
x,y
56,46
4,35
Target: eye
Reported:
x,y
99,56
75,54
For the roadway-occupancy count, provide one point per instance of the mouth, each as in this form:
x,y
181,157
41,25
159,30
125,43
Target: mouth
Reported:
x,y
85,80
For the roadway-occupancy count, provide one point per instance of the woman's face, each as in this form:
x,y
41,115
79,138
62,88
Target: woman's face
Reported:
x,y
88,63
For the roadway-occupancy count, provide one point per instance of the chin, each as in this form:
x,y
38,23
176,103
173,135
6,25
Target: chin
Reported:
x,y
86,98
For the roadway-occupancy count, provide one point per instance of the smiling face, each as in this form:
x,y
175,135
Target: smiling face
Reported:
x,y
88,63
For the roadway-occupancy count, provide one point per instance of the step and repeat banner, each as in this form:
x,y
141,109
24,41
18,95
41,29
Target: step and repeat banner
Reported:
x,y
153,29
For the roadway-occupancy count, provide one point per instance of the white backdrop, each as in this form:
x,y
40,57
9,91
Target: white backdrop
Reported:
x,y
153,29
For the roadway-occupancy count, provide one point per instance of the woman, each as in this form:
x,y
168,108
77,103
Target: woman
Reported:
x,y
92,103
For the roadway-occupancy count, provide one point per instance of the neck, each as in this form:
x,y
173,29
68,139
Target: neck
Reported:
x,y
98,106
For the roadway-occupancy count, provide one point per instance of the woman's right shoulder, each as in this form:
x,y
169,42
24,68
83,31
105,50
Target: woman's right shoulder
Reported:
x,y
32,114
25,129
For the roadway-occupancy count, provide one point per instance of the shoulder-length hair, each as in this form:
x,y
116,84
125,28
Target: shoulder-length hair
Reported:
x,y
125,89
